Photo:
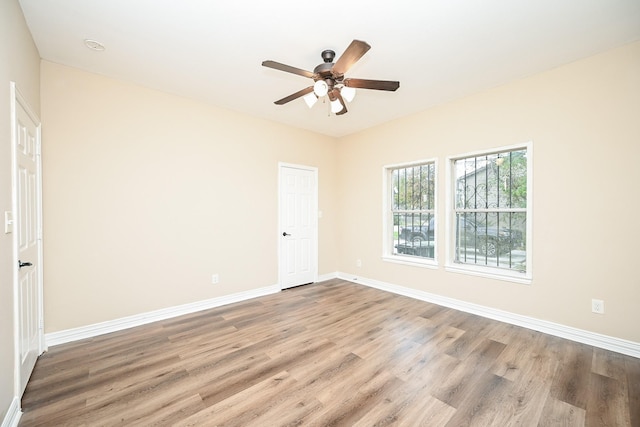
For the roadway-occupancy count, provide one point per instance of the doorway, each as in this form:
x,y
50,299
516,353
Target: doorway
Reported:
x,y
298,225
27,237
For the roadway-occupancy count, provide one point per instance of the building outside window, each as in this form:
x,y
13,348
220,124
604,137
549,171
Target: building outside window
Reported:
x,y
491,218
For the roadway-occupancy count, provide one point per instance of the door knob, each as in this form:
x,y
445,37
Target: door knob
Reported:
x,y
285,234
24,264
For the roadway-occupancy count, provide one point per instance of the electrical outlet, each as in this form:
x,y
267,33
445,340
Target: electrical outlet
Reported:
x,y
358,263
597,306
215,278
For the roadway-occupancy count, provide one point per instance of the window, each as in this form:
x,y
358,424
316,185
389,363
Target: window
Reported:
x,y
410,212
490,219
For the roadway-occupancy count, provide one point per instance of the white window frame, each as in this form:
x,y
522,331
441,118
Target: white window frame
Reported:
x,y
387,217
481,270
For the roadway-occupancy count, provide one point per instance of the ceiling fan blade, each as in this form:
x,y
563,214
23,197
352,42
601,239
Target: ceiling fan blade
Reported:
x,y
293,96
372,84
288,68
350,56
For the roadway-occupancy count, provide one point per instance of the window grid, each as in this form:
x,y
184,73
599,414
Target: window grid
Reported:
x,y
412,192
491,210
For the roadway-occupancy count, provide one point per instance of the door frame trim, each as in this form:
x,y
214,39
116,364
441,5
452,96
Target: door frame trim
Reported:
x,y
18,98
314,170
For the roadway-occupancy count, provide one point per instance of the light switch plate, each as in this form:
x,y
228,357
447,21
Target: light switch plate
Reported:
x,y
8,222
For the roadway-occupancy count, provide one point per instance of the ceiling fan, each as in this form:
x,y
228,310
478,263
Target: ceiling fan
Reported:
x,y
329,78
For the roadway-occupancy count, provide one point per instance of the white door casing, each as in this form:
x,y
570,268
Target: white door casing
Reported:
x,y
298,225
27,229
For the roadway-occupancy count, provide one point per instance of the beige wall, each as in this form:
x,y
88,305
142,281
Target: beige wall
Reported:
x,y
584,121
19,62
147,194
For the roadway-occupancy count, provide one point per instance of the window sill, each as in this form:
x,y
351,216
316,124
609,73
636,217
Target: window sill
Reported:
x,y
490,273
413,261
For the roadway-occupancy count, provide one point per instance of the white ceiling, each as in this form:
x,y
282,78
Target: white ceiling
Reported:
x,y
439,50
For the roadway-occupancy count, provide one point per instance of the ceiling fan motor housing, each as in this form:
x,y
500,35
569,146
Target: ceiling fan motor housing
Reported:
x,y
323,70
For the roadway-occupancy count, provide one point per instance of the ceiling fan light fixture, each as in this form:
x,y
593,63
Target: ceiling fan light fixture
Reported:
x,y
348,93
310,99
336,106
320,88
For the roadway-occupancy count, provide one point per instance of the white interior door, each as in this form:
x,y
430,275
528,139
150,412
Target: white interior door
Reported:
x,y
298,231
28,239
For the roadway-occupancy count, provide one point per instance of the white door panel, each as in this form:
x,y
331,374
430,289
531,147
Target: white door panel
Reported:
x,y
298,225
28,251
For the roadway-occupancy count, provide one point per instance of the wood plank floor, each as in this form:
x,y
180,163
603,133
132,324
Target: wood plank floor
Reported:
x,y
331,354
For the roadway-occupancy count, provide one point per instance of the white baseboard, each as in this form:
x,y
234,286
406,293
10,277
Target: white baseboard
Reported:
x,y
618,345
12,417
69,335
